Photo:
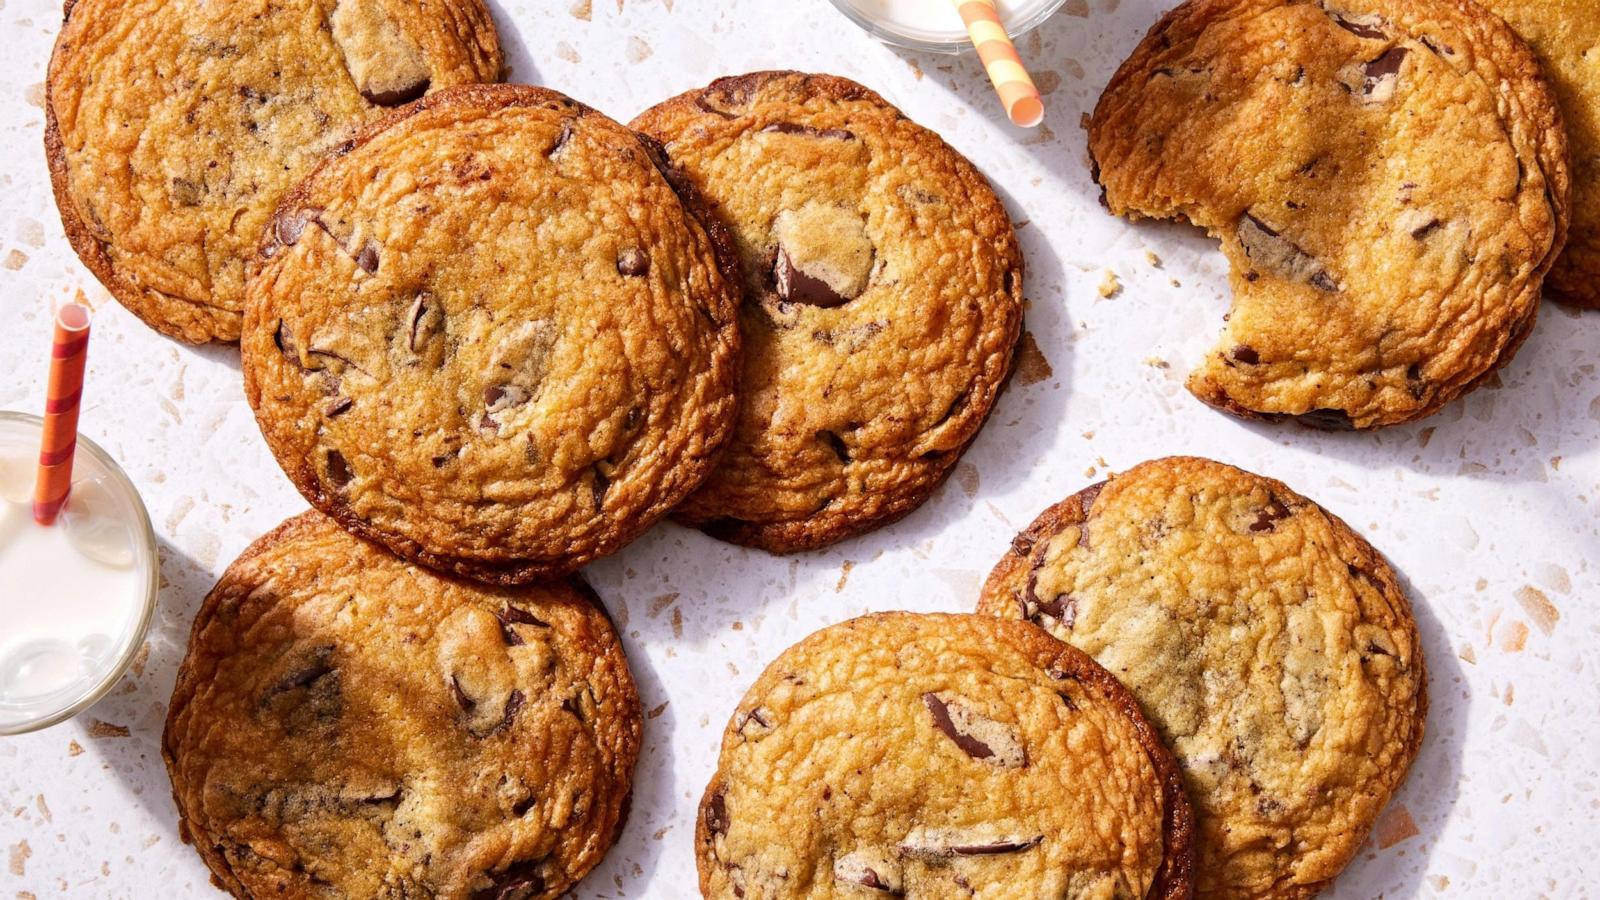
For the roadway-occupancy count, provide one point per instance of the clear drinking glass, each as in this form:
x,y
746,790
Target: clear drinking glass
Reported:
x,y
103,489
1025,16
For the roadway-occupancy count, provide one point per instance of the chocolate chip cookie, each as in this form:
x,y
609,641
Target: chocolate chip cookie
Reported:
x,y
884,288
1271,646
490,336
174,127
1388,179
915,755
1566,36
349,725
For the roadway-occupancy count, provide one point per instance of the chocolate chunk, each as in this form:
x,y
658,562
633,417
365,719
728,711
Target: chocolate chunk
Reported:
x,y
320,664
336,406
398,96
1370,27
870,869
838,134
284,339
836,444
498,397
1064,609
367,258
1326,420
1380,76
632,263
796,286
754,724
290,224
514,702
519,880
423,321
386,65
943,843
562,138
515,615
1246,355
338,469
1276,255
717,815
979,737
1429,227
599,487
1268,516
466,703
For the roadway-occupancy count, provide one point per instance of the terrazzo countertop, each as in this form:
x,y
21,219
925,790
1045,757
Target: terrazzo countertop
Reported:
x,y
1491,509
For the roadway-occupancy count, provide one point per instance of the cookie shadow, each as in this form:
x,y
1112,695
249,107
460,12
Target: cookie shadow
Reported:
x,y
519,67
226,355
635,856
1394,860
123,730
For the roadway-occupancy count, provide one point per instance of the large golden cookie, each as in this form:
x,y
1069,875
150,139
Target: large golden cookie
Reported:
x,y
491,337
348,725
176,126
910,755
1271,646
1388,179
884,288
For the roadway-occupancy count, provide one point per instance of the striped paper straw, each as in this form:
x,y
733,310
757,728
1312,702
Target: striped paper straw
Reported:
x,y
65,390
1011,81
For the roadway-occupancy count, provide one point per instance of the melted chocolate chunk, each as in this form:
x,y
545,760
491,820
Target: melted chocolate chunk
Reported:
x,y
1326,420
284,339
795,286
338,469
518,880
717,815
367,258
1246,355
398,96
337,406
1369,27
1268,516
290,225
1276,255
632,263
838,134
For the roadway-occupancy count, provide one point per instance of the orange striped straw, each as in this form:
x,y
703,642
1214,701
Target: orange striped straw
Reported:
x,y
1011,81
62,397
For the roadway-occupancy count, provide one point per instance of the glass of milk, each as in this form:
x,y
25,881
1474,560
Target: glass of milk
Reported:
x,y
76,597
934,25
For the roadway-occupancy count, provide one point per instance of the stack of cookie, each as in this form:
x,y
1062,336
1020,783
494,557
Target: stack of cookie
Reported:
x,y
492,335
1188,681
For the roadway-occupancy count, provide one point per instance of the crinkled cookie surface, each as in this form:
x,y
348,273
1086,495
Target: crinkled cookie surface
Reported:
x,y
941,756
491,337
1566,36
1388,179
1271,646
176,126
347,725
884,287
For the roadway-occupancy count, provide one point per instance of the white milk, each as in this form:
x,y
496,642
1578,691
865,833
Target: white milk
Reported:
x,y
938,19
72,595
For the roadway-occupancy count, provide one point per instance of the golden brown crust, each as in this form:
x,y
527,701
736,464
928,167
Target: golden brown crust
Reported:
x,y
893,784
875,356
1388,179
247,100
505,407
1165,574
346,722
1566,36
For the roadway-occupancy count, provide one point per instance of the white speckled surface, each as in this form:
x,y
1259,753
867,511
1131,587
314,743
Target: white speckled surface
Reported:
x,y
1491,509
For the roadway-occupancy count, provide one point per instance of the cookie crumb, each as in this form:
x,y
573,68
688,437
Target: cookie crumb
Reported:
x,y
656,712
1151,258
1394,826
1032,366
1110,285
99,729
74,748
1156,362
844,575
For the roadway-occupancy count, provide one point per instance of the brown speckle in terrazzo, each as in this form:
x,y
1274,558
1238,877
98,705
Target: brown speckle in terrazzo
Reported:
x,y
15,260
638,50
655,712
20,851
1513,637
583,9
1539,608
